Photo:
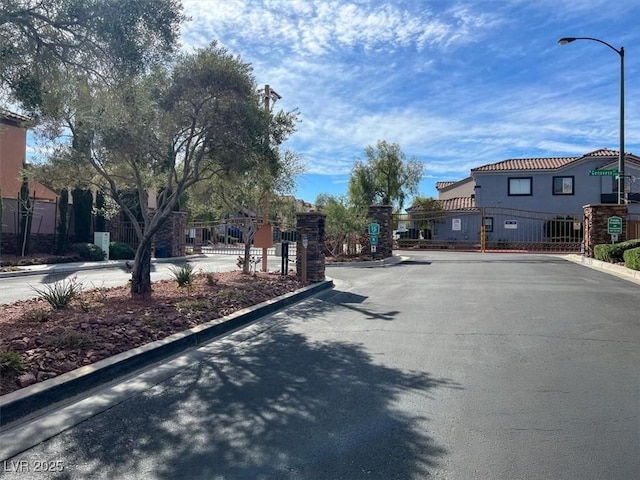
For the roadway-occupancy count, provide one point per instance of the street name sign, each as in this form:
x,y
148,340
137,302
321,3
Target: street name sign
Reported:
x,y
603,173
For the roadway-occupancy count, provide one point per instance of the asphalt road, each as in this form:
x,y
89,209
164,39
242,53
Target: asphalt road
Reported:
x,y
22,288
453,365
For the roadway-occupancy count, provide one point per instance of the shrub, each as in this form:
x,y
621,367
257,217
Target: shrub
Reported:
x,y
11,363
614,252
632,258
121,251
60,294
603,252
184,275
211,279
88,251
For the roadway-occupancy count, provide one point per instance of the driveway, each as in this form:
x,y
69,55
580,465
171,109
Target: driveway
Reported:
x,y
449,365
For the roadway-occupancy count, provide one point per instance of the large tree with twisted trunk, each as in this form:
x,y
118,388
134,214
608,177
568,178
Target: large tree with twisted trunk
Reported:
x,y
194,119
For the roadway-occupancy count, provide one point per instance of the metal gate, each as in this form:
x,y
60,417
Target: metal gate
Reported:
x,y
226,238
491,229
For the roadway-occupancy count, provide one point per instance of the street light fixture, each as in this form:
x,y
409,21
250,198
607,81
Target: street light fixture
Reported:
x,y
620,51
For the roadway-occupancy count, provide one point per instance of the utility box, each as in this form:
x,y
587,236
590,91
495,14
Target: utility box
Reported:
x,y
102,240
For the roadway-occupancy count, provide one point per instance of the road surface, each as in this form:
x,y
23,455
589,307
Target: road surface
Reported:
x,y
452,365
22,288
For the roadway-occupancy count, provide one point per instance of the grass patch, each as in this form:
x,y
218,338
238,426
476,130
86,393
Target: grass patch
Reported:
x,y
184,275
194,305
38,315
11,364
60,294
232,295
71,340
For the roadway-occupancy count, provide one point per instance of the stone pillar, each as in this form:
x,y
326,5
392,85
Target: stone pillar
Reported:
x,y
383,215
170,237
311,224
596,221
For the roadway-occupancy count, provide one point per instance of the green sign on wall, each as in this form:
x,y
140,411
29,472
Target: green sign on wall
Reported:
x,y
614,226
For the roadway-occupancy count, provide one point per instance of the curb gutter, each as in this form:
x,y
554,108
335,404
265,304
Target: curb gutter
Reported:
x,y
21,403
617,270
370,264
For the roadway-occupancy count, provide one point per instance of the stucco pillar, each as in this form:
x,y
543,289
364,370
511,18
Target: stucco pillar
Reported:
x,y
383,215
310,226
596,220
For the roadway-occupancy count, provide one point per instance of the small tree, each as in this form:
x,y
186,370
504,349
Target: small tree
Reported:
x,y
62,222
425,211
386,177
344,224
82,207
25,212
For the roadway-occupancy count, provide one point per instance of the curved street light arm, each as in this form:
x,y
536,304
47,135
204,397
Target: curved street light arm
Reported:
x,y
565,40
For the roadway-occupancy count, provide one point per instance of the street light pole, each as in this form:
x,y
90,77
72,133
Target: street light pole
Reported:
x,y
620,52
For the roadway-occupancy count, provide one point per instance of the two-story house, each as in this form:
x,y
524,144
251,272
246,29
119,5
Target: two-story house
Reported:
x,y
13,147
532,200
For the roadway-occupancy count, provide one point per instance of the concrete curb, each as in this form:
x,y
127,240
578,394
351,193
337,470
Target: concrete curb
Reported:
x,y
77,266
370,264
21,403
617,270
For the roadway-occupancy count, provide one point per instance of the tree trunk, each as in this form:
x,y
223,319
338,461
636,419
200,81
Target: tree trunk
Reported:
x,y
141,275
247,257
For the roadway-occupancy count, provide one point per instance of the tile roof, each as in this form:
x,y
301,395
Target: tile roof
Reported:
x,y
440,185
449,204
458,203
549,163
16,117
526,164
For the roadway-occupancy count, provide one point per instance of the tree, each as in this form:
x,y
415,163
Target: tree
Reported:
x,y
344,223
39,39
425,211
186,121
247,195
25,213
62,222
386,177
243,195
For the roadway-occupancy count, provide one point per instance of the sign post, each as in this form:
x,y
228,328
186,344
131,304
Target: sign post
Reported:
x,y
614,228
305,244
374,231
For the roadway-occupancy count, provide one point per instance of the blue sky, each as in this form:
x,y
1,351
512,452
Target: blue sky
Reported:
x,y
456,84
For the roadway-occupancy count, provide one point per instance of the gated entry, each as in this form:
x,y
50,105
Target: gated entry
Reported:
x,y
492,229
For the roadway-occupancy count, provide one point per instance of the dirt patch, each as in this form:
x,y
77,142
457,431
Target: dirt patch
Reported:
x,y
102,322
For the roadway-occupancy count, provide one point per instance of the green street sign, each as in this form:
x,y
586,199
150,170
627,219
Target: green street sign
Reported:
x,y
603,173
614,226
373,239
374,229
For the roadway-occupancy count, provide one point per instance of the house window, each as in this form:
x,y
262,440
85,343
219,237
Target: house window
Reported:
x,y
488,224
520,186
563,185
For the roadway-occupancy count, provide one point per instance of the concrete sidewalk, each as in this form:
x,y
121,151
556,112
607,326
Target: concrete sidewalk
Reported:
x,y
78,266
